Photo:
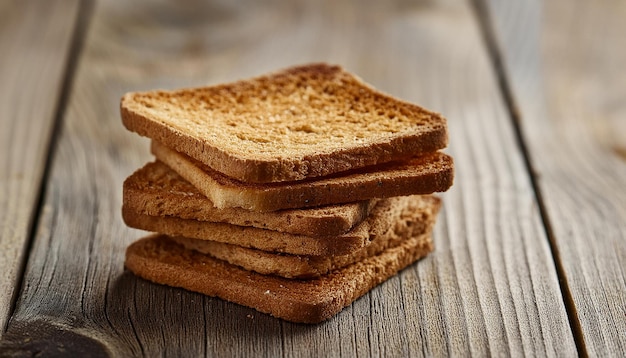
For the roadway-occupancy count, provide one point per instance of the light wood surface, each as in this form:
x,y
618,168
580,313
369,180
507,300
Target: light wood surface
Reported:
x,y
35,40
502,281
569,86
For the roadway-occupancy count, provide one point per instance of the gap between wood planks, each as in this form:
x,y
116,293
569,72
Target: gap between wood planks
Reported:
x,y
484,23
85,8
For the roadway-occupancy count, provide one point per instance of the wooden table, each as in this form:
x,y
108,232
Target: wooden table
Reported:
x,y
531,242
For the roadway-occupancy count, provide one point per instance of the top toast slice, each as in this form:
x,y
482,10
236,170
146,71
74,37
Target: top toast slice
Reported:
x,y
302,122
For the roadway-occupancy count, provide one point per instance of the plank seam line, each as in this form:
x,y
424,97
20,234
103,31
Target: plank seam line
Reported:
x,y
76,44
485,24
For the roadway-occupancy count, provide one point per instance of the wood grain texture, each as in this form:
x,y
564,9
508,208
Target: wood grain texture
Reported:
x,y
564,62
35,39
489,288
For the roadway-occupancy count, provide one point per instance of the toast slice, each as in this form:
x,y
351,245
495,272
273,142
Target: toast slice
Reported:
x,y
156,190
383,216
159,259
432,172
415,219
302,122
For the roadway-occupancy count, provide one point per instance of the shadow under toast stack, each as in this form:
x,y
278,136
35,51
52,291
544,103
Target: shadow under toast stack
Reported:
x,y
293,193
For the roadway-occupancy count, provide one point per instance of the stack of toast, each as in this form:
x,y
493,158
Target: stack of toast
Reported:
x,y
293,193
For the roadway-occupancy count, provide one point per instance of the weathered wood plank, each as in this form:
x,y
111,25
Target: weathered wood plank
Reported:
x,y
35,39
564,63
489,288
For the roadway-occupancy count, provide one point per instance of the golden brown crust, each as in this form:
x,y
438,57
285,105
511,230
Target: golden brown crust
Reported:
x,y
156,190
320,120
160,260
432,172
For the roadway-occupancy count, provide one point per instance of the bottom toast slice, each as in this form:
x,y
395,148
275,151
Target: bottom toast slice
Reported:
x,y
416,217
159,259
